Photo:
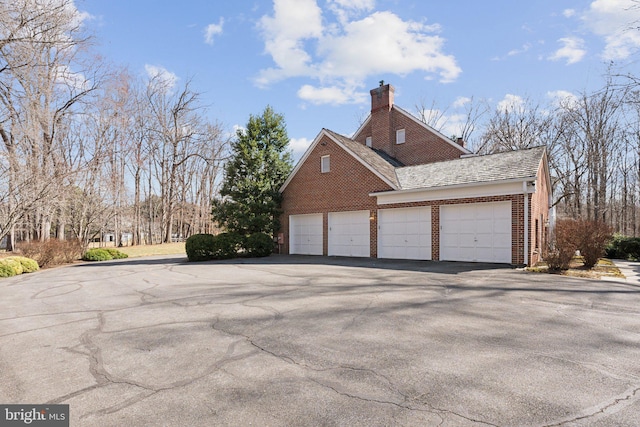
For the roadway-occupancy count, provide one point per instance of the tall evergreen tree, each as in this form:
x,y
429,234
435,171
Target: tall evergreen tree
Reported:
x,y
250,199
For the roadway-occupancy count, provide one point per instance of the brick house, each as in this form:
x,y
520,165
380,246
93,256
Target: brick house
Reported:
x,y
400,189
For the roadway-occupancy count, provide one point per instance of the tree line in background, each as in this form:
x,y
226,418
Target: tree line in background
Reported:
x,y
592,139
87,150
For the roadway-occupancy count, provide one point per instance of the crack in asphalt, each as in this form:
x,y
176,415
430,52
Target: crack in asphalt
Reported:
x,y
390,385
360,313
628,398
103,378
46,327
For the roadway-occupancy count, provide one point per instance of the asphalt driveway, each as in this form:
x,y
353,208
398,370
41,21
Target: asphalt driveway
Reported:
x,y
289,341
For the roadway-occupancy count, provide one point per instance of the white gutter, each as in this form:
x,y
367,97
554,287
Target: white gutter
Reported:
x,y
445,187
526,222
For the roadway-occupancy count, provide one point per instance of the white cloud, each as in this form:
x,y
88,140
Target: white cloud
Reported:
x,y
299,146
511,103
293,22
66,76
461,101
562,98
525,47
341,55
162,76
614,20
346,9
572,50
212,30
568,13
334,95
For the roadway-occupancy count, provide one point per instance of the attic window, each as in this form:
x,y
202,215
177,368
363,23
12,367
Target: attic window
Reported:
x,y
325,164
368,141
400,136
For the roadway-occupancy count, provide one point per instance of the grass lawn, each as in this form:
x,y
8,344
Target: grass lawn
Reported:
x,y
148,250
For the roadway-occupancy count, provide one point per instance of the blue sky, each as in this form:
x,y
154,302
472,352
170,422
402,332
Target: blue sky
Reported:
x,y
316,60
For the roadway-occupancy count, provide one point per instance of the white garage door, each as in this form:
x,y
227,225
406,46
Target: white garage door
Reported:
x,y
305,234
477,232
404,233
349,234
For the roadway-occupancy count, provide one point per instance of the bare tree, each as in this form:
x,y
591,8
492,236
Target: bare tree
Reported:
x,y
457,124
40,45
517,126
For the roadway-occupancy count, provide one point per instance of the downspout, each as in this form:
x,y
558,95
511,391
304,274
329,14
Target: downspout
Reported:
x,y
526,222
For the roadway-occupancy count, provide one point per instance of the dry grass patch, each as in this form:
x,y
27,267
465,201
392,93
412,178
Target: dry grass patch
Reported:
x,y
603,268
149,250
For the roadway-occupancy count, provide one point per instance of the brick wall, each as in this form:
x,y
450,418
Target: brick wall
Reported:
x,y
345,188
517,221
539,212
421,144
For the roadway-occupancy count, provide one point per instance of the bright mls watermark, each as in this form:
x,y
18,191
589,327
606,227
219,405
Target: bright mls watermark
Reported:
x,y
34,415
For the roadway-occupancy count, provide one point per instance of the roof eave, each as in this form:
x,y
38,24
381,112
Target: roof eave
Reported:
x,y
464,185
433,130
325,132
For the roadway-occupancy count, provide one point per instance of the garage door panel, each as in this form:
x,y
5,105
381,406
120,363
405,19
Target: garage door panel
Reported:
x,y
479,232
502,241
349,234
305,234
404,233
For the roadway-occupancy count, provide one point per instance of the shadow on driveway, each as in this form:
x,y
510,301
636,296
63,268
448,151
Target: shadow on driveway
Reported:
x,y
441,267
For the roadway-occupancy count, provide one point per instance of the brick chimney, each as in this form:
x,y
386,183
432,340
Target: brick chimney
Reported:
x,y
381,104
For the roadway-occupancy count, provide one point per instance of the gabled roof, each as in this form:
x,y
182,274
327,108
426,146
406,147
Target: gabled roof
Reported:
x,y
365,155
471,170
510,165
421,123
373,160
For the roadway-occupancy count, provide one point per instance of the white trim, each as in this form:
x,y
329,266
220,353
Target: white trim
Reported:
x,y
302,159
459,191
365,164
432,130
401,132
362,126
325,167
313,145
464,150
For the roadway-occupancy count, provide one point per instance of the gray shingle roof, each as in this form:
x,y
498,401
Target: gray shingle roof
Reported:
x,y
478,169
519,164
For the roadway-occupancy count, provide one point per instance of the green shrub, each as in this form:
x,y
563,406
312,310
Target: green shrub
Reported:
x,y
226,245
17,267
200,247
613,248
28,265
622,247
259,245
6,269
116,254
630,248
97,254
